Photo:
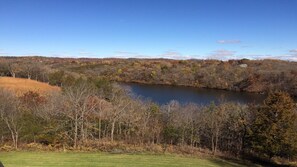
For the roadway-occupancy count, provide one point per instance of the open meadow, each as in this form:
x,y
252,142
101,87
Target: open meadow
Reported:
x,y
55,159
21,85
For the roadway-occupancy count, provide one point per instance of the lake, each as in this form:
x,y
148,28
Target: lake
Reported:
x,y
162,94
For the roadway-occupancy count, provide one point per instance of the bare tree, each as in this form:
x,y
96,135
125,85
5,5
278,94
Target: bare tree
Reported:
x,y
72,110
11,114
120,104
212,118
13,67
100,112
77,106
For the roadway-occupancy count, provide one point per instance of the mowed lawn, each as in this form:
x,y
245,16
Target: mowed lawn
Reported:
x,y
51,159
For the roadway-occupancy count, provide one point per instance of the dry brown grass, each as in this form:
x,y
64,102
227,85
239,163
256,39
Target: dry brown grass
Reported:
x,y
20,85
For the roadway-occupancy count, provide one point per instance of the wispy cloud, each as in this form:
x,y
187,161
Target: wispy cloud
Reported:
x,y
61,55
84,53
288,57
255,56
246,46
126,54
283,57
87,54
31,54
293,51
78,54
229,41
166,55
222,54
3,52
292,55
175,55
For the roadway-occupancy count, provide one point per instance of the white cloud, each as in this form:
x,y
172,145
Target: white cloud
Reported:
x,y
284,57
125,55
290,56
175,55
172,54
222,54
254,56
287,57
228,41
167,55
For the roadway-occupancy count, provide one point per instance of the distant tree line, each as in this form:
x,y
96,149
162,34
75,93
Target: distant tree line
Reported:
x,y
238,75
88,111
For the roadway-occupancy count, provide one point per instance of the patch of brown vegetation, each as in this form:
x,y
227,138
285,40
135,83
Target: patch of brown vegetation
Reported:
x,y
20,85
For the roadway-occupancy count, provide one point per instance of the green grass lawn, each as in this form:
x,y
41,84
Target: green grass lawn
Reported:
x,y
51,159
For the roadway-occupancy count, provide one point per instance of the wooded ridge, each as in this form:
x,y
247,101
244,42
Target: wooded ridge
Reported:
x,y
91,112
238,75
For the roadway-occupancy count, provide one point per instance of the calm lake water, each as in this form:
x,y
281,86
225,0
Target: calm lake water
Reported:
x,y
163,94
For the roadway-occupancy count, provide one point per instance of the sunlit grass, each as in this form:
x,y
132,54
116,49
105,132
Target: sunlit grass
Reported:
x,y
51,159
20,85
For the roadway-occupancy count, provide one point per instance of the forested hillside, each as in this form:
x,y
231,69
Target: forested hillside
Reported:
x,y
93,113
238,75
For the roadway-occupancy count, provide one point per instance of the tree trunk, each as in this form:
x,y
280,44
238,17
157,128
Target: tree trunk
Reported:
x,y
75,131
12,132
212,143
99,129
183,137
16,140
192,136
120,129
82,130
112,130
13,139
216,143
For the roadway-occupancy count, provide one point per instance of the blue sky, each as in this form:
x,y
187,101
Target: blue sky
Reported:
x,y
220,29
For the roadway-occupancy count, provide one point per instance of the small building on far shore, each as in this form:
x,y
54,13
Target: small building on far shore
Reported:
x,y
243,65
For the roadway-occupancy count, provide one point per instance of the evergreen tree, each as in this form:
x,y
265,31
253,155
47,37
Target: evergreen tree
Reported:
x,y
274,126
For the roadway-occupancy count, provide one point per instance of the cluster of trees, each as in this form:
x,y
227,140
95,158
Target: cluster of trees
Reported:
x,y
23,69
95,110
239,75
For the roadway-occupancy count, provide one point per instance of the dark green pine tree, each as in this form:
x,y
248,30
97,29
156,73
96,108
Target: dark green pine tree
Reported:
x,y
274,131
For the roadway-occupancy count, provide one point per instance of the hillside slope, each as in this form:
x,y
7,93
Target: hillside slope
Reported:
x,y
257,76
20,85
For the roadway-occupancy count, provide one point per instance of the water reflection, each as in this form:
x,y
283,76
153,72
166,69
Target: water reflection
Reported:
x,y
163,94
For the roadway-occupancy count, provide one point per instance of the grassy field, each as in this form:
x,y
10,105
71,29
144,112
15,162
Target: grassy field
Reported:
x,y
51,159
20,85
